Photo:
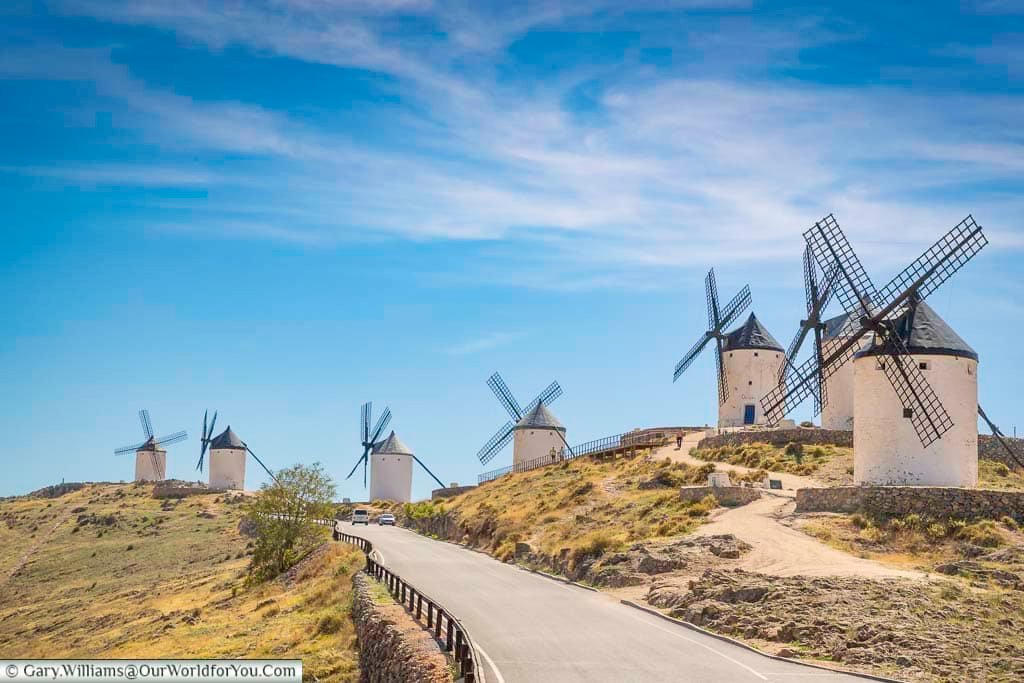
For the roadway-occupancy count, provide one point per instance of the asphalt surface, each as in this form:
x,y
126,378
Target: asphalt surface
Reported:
x,y
529,628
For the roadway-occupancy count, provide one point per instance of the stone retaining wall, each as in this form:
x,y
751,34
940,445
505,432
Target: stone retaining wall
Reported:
x,y
780,437
392,646
989,448
725,495
181,491
449,491
933,501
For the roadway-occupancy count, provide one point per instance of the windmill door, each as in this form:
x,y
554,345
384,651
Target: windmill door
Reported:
x,y
748,414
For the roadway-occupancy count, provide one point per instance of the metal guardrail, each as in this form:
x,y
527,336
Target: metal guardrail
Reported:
x,y
608,443
446,629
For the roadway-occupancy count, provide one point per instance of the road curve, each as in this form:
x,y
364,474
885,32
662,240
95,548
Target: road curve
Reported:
x,y
529,628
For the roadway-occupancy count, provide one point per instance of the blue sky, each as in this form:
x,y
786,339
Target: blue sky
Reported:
x,y
282,209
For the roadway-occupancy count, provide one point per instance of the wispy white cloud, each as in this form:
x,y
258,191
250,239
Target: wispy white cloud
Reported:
x,y
485,343
676,171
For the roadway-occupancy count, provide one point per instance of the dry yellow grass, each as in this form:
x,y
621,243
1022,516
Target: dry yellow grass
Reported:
x,y
762,456
913,541
125,575
996,475
584,505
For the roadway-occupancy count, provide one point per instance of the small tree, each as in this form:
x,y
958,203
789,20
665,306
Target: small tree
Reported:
x,y
283,517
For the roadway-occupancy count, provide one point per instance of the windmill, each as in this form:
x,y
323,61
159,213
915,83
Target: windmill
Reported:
x,y
369,437
227,456
817,298
391,470
718,319
540,430
150,458
893,317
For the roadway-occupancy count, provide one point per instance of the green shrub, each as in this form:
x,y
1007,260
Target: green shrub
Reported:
x,y
984,533
329,624
423,510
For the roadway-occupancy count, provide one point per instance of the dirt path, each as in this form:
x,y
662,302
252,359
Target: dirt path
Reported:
x,y
782,551
778,549
790,482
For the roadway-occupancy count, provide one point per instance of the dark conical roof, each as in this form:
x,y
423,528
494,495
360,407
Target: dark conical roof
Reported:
x,y
925,332
834,326
540,418
751,335
227,439
150,445
391,446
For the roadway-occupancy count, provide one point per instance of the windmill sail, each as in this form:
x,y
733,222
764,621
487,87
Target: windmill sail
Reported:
x,y
718,319
873,312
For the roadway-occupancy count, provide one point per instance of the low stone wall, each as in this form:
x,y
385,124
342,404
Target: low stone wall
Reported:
x,y
933,501
728,496
392,646
780,437
449,491
181,491
989,448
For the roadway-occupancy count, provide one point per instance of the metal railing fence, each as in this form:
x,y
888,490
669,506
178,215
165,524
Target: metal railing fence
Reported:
x,y
445,628
608,443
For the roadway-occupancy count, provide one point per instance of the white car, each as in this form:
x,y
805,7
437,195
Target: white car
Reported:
x,y
386,518
361,517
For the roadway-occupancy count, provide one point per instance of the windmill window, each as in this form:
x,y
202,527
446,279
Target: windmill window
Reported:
x,y
750,383
755,353
970,369
908,412
923,365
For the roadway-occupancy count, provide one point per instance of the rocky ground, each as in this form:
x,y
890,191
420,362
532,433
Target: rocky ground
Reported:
x,y
637,565
942,630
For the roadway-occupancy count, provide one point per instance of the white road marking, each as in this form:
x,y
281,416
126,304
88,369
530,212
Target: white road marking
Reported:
x,y
699,644
490,662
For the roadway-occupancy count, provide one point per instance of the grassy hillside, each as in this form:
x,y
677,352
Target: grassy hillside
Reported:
x,y
585,506
112,572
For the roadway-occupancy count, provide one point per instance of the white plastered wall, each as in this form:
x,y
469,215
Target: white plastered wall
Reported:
x,y
227,468
532,443
751,374
837,413
887,450
151,465
391,477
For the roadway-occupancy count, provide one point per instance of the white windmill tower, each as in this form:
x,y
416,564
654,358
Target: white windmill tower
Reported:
x,y
752,363
833,397
150,458
748,359
915,385
227,457
537,432
885,448
837,411
390,460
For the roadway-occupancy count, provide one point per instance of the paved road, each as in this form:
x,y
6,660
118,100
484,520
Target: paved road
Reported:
x,y
530,628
